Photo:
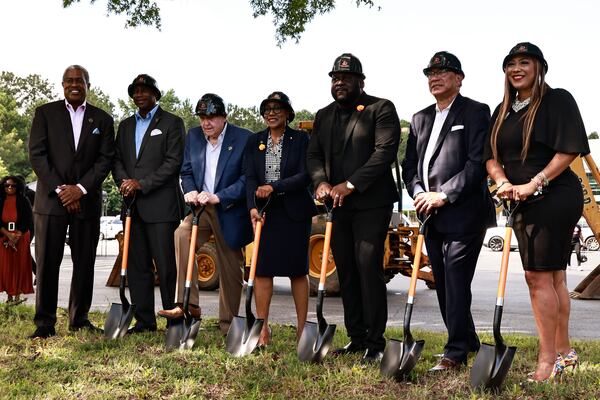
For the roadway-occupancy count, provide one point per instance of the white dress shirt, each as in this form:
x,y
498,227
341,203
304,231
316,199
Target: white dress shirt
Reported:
x,y
212,153
77,123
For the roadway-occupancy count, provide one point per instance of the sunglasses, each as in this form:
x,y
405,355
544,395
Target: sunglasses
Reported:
x,y
10,185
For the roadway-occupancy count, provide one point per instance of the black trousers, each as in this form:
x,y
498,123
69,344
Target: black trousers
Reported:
x,y
453,259
357,242
50,232
151,242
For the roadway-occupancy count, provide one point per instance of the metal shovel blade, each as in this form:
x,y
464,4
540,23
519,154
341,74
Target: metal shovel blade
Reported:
x,y
313,344
118,320
400,357
491,366
182,334
243,335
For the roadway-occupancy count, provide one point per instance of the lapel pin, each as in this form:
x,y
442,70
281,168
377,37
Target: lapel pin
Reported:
x,y
230,148
360,107
90,120
261,146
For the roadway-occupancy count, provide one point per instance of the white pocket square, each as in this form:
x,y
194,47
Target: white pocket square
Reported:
x,y
96,131
155,132
457,127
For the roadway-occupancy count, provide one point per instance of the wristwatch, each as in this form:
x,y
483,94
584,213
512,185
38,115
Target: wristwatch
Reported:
x,y
349,186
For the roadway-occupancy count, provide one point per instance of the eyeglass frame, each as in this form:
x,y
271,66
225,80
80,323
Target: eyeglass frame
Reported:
x,y
276,110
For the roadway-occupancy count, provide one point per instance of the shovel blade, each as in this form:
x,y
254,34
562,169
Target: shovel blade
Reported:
x,y
313,346
241,338
182,334
491,366
400,358
118,320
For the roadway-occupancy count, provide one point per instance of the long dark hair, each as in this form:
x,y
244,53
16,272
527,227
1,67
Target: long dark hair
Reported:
x,y
17,180
510,93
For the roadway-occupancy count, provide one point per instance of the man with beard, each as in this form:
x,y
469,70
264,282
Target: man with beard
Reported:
x,y
71,147
148,157
354,142
445,175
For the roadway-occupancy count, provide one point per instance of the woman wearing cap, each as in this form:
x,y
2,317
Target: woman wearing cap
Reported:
x,y
536,133
276,170
15,255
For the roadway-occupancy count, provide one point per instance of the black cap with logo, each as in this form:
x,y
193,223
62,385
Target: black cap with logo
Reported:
x,y
210,104
525,48
444,60
144,80
347,63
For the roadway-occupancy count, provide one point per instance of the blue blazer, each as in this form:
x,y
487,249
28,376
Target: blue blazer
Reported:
x,y
230,181
294,182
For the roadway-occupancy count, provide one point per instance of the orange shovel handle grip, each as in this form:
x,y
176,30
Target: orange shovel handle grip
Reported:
x,y
326,249
254,259
126,235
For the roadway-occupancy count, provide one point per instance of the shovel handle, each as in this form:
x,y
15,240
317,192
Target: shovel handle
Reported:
x,y
325,257
191,254
415,268
504,266
127,234
254,260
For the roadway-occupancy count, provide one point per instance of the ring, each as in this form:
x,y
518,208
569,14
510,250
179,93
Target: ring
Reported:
x,y
337,195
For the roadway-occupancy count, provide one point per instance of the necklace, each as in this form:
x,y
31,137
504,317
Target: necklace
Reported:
x,y
518,105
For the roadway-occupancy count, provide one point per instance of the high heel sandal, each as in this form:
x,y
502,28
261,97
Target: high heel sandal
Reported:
x,y
571,360
557,370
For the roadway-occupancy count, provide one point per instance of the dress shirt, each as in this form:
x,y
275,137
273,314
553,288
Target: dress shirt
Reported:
x,y
212,153
141,126
438,123
76,123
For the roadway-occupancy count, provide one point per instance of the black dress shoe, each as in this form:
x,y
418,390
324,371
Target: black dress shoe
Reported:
x,y
141,329
43,332
350,348
372,356
88,326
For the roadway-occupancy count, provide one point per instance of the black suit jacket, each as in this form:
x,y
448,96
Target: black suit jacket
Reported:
x,y
55,160
156,167
370,146
456,167
294,181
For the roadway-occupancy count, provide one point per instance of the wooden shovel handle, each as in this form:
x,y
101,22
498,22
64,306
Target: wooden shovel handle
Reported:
x,y
416,267
125,258
191,254
325,257
254,260
504,263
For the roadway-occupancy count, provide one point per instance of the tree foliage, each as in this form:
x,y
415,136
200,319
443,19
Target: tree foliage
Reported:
x,y
289,16
248,118
593,135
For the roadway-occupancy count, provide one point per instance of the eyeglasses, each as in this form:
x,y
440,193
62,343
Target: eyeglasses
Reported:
x,y
10,185
276,110
436,72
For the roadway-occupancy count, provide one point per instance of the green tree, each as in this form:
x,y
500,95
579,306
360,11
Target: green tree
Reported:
x,y
302,115
593,135
101,100
405,127
289,16
28,92
248,118
14,128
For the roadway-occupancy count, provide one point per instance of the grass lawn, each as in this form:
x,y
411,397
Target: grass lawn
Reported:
x,y
85,366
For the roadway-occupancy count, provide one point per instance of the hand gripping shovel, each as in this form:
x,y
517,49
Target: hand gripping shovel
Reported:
x,y
316,338
493,361
244,333
120,315
400,357
182,333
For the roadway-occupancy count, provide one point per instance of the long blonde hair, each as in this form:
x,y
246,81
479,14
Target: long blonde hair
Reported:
x,y
510,93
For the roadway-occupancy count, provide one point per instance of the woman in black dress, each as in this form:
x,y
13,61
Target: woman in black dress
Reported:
x,y
276,170
536,133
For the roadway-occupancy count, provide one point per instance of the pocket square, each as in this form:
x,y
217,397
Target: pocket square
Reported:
x,y
155,132
96,131
457,127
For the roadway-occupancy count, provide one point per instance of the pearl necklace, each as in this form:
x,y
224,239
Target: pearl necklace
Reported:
x,y
518,105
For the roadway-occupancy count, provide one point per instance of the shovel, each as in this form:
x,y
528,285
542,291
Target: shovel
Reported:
x,y
182,333
120,315
244,333
493,361
316,338
400,357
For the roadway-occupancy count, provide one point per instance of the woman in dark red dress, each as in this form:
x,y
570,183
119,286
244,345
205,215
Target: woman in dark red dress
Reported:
x,y
15,231
536,133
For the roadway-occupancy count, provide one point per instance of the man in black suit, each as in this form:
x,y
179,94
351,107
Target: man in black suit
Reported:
x,y
71,147
354,142
445,176
149,153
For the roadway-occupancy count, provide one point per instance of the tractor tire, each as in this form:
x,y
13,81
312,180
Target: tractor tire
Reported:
x,y
315,254
208,275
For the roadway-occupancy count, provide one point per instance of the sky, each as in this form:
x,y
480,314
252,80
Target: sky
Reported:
x,y
217,46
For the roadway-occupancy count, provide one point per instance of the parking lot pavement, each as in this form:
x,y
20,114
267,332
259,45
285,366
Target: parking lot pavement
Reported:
x,y
517,316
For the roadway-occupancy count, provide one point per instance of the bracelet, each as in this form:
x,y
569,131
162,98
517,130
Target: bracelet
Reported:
x,y
544,178
538,181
